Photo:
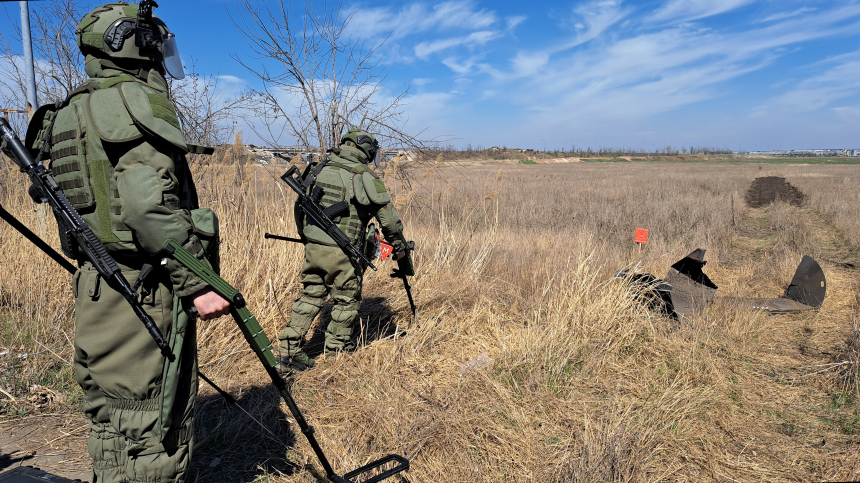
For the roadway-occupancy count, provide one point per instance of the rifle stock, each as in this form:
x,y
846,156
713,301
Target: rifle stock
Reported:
x,y
75,228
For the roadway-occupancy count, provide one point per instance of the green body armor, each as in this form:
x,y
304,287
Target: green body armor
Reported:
x,y
344,180
91,124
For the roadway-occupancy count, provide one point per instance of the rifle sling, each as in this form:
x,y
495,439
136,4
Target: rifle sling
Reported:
x,y
312,176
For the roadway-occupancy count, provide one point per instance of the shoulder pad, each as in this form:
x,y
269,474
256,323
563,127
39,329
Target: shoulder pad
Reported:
x,y
121,112
38,124
111,119
375,188
154,112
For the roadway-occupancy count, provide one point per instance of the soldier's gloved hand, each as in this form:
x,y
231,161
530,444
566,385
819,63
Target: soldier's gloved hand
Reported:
x,y
209,304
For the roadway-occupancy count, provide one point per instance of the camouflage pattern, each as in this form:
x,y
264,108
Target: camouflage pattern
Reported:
x,y
119,155
326,269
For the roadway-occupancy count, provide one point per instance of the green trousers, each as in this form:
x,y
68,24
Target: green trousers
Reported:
x,y
140,406
326,271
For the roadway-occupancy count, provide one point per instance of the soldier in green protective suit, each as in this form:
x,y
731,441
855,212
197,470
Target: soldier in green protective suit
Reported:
x,y
343,176
118,153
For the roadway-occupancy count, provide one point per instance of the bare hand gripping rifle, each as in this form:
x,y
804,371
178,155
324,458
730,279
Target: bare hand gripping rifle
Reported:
x,y
73,228
262,346
322,218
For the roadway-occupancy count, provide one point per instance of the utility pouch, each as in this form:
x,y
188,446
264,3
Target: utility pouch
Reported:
x,y
205,223
38,127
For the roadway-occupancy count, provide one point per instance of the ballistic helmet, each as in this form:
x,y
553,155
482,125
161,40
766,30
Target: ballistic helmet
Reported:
x,y
362,140
128,33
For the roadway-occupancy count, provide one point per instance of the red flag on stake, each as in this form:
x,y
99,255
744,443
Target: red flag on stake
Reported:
x,y
384,249
641,236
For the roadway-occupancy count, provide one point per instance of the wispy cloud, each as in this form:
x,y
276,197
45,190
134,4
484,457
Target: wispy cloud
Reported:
x,y
592,19
785,15
418,18
687,10
512,22
424,49
628,76
822,90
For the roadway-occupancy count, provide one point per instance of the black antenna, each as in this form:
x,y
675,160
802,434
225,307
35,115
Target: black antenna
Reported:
x,y
144,12
145,37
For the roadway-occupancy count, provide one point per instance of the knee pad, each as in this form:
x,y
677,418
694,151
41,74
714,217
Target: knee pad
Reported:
x,y
305,309
345,314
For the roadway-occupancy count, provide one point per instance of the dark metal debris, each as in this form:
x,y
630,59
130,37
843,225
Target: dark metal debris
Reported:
x,y
687,291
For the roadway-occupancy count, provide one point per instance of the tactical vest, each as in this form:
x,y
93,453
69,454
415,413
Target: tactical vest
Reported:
x,y
113,110
344,180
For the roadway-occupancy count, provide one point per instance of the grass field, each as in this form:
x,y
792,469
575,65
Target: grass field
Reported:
x,y
515,263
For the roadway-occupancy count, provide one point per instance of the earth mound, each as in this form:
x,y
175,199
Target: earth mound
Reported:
x,y
768,189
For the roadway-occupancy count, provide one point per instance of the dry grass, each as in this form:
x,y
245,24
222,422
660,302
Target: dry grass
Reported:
x,y
516,264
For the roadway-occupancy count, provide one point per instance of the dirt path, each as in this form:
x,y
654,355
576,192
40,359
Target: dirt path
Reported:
x,y
54,443
788,385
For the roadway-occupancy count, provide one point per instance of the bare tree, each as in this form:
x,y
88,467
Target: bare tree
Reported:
x,y
207,116
59,64
318,80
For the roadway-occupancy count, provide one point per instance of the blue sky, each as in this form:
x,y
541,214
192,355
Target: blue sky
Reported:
x,y
736,74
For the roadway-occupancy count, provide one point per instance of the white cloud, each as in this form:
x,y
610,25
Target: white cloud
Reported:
x,y
512,22
418,18
231,79
785,15
687,10
459,67
529,63
819,91
592,19
424,49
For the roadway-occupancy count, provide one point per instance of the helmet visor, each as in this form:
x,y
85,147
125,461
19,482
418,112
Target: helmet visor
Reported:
x,y
172,62
377,159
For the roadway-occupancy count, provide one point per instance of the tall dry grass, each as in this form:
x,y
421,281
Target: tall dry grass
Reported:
x,y
516,264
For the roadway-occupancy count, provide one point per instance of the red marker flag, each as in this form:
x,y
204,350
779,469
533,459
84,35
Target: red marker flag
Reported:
x,y
641,235
384,249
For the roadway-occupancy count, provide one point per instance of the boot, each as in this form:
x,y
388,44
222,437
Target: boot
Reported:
x,y
298,362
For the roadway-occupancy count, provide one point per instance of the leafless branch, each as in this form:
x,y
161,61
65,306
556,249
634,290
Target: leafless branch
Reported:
x,y
317,80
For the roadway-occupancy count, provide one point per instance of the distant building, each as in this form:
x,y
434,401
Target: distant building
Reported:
x,y
808,152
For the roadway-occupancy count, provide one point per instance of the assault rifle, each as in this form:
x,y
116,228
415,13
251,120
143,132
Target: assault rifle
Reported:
x,y
322,217
372,472
73,227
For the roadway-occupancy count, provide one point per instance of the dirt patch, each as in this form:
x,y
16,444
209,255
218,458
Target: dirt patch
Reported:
x,y
768,189
54,443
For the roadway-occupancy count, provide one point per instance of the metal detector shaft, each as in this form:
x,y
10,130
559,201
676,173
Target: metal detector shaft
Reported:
x,y
14,223
262,347
284,238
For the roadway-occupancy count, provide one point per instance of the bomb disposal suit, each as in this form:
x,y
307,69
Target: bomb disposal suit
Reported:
x,y
117,151
343,176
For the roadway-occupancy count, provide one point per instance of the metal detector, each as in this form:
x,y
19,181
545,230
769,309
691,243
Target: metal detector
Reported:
x,y
262,346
